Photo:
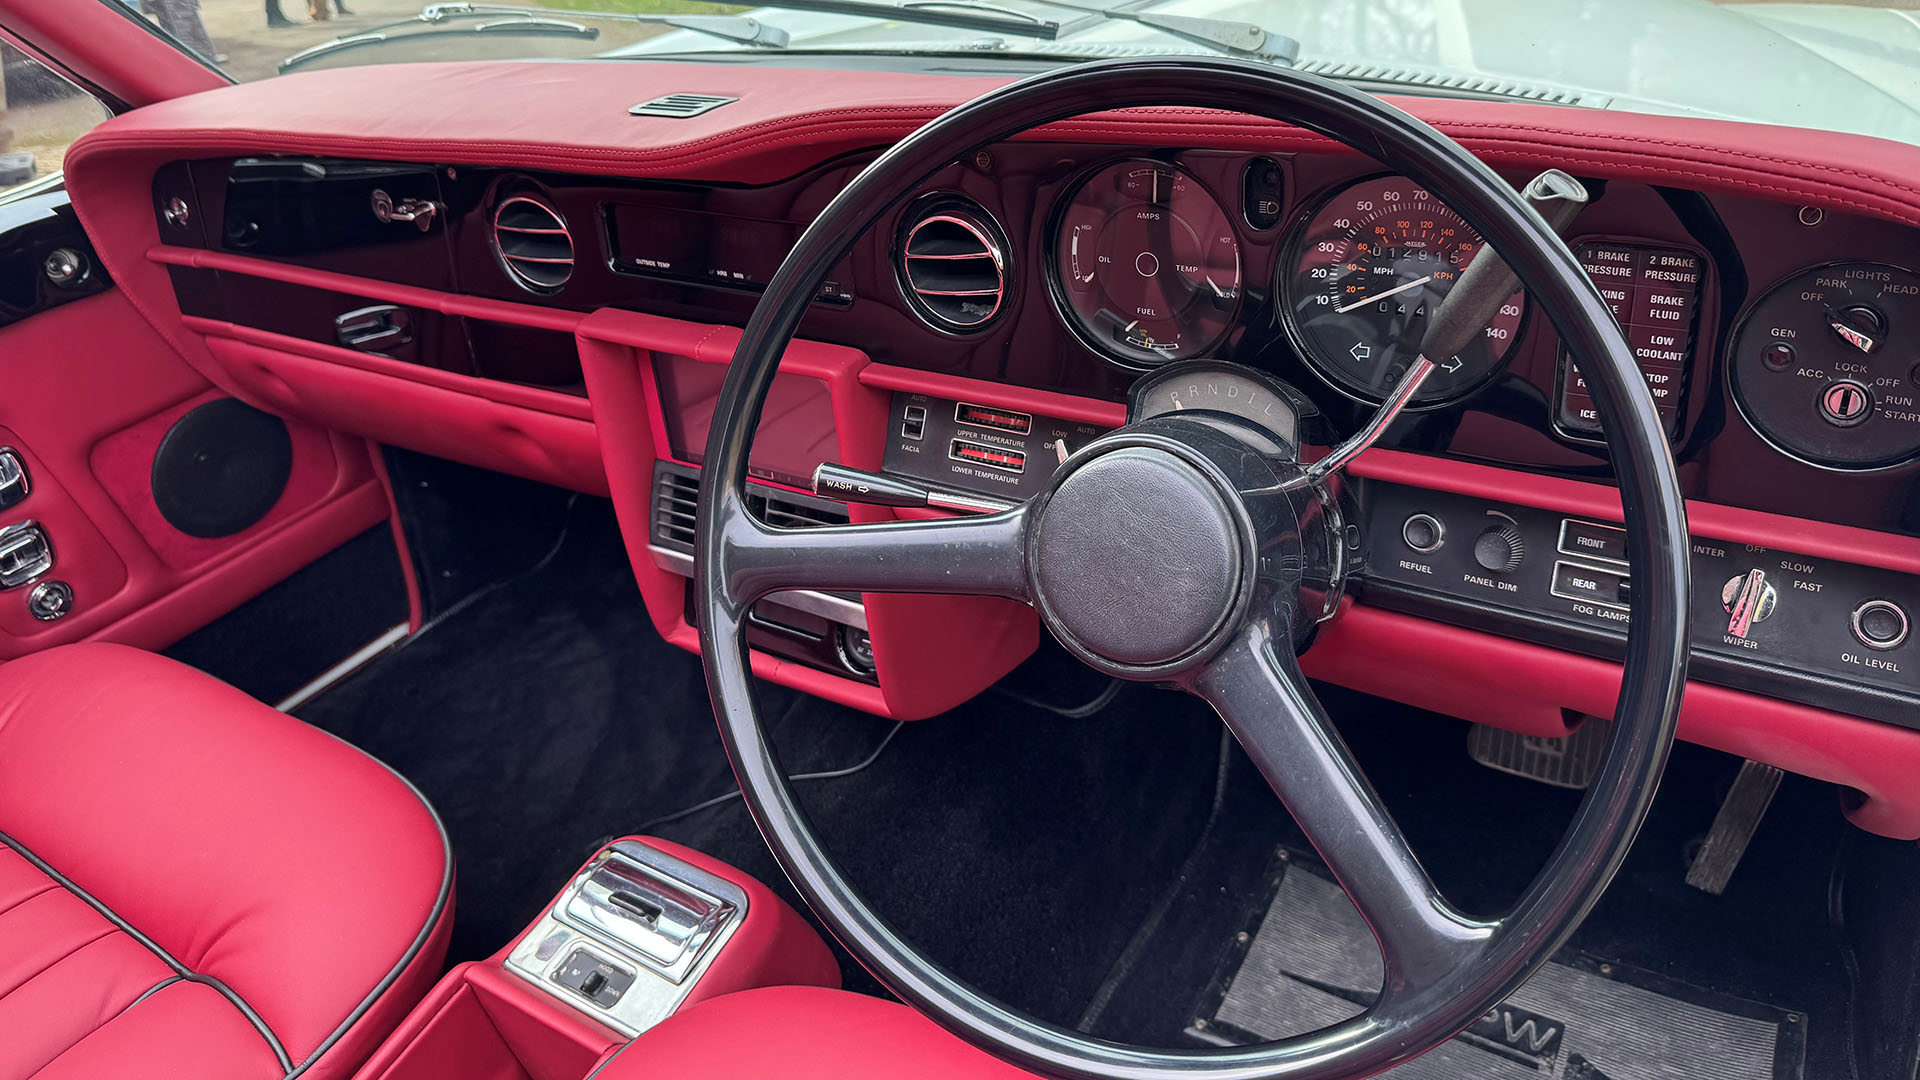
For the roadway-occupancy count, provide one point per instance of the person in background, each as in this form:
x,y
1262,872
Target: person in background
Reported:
x,y
275,17
181,18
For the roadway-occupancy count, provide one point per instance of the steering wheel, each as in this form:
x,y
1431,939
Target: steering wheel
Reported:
x,y
1173,550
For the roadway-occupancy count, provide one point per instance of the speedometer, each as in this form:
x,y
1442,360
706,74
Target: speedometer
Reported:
x,y
1146,264
1363,276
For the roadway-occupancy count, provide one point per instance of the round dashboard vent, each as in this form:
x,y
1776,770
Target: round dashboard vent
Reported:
x,y
953,265
534,244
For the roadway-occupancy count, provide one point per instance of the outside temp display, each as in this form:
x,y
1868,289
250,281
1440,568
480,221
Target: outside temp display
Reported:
x,y
1363,276
1147,267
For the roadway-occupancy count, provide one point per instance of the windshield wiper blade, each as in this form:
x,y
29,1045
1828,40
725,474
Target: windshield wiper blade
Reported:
x,y
1227,35
447,19
957,14
527,24
731,27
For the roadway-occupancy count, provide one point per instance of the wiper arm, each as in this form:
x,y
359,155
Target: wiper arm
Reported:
x,y
445,19
731,27
1236,38
957,14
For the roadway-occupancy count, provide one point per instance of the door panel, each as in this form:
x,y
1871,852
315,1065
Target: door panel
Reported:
x,y
90,391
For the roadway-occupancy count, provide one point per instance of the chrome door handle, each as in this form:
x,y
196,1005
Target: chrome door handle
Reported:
x,y
370,329
419,211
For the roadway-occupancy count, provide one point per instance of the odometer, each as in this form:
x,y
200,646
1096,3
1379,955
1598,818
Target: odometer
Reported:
x,y
1363,275
1146,265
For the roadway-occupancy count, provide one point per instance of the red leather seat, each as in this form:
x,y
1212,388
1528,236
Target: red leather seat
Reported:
x,y
802,1033
194,885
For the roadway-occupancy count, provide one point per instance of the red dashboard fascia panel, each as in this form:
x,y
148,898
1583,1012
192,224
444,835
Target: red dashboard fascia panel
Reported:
x,y
542,115
1523,687
924,666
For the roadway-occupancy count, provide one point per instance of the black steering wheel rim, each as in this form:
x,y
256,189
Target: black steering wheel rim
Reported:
x,y
1507,951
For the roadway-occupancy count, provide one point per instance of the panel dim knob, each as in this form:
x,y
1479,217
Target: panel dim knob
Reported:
x,y
1500,549
1880,624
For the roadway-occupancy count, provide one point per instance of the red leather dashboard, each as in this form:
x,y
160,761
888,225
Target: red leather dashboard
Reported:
x,y
572,117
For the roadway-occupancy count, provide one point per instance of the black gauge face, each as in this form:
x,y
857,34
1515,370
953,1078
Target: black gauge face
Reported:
x,y
1363,276
1823,366
1147,268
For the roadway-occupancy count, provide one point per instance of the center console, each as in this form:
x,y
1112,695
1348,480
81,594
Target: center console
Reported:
x,y
631,935
645,928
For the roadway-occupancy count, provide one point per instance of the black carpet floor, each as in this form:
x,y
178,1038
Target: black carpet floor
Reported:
x,y
1091,870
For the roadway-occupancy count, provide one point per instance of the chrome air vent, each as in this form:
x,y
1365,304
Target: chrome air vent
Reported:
x,y
676,490
680,106
952,264
534,245
674,496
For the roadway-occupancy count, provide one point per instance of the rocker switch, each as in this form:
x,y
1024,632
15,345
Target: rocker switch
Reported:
x,y
14,485
593,978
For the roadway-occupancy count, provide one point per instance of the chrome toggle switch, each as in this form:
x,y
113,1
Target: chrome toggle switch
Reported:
x,y
25,554
14,484
1748,598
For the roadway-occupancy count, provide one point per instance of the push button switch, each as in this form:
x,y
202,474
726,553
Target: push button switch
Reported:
x,y
1608,588
1880,624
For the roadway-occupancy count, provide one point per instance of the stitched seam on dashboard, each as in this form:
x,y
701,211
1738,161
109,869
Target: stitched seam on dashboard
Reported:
x,y
828,120
127,928
803,128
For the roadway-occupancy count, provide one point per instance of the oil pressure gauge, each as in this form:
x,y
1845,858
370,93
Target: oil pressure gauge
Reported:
x,y
1826,366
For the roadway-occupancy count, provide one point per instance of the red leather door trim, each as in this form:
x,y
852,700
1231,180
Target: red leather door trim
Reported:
x,y
91,388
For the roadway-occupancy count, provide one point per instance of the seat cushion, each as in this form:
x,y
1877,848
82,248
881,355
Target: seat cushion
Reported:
x,y
193,884
802,1033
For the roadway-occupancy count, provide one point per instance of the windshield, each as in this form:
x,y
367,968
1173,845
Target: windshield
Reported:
x,y
1837,66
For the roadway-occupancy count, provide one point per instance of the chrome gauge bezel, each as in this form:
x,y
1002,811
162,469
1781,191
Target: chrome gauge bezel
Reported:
x,y
1297,340
1054,272
1728,355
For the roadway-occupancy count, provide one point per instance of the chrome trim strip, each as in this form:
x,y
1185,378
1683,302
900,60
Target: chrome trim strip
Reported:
x,y
360,657
827,606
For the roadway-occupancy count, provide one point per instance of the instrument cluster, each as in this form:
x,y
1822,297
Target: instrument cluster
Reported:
x,y
1159,259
